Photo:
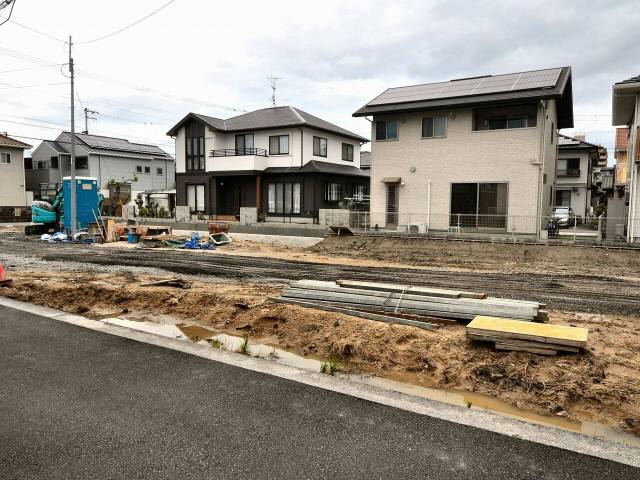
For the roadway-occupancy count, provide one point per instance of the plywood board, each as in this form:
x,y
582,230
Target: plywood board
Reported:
x,y
522,343
538,332
539,351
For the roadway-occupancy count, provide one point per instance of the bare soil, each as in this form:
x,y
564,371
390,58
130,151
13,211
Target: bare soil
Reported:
x,y
484,256
599,385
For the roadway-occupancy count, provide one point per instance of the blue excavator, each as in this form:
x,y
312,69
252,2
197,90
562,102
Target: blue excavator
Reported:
x,y
46,216
49,217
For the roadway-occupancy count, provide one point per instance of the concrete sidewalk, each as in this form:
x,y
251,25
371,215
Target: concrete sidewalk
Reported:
x,y
77,403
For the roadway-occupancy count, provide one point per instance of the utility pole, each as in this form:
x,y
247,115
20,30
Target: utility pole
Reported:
x,y
273,88
87,118
72,200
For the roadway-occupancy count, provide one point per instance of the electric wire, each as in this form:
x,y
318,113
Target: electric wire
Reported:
x,y
126,27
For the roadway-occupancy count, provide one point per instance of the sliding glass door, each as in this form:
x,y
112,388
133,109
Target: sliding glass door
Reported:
x,y
481,205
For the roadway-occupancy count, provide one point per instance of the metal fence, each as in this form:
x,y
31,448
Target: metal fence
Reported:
x,y
587,229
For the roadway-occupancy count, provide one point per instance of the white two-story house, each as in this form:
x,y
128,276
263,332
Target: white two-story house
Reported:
x,y
475,154
281,160
12,180
574,174
626,112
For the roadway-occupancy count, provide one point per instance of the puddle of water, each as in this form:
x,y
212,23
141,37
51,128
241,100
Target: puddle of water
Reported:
x,y
198,334
473,400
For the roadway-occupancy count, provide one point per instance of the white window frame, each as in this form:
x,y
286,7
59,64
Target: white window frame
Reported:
x,y
5,158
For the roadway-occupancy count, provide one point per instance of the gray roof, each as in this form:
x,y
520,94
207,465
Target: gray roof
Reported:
x,y
635,79
116,146
511,87
267,118
315,166
57,147
567,142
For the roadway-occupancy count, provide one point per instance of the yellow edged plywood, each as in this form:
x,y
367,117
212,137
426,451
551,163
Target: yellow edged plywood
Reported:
x,y
539,332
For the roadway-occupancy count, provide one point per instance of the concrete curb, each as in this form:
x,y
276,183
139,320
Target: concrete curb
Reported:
x,y
359,387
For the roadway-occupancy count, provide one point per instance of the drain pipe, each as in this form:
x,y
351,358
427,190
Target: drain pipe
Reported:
x,y
428,205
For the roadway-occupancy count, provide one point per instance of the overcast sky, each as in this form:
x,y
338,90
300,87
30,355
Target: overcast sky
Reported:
x,y
213,57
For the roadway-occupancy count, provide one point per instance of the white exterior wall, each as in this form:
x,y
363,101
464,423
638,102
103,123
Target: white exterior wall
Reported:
x,y
12,179
580,195
298,155
633,227
334,148
180,153
464,155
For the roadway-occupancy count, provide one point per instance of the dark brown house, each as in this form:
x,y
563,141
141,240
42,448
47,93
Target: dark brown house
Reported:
x,y
285,162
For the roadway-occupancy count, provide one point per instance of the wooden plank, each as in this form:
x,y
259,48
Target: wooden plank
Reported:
x,y
522,343
360,314
538,332
539,351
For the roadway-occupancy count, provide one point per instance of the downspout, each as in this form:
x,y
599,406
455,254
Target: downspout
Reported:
x,y
543,140
428,205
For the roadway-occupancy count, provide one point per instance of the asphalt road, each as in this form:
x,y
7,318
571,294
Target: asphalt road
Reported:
x,y
80,404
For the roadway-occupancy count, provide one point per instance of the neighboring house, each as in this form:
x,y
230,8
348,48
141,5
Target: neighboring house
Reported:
x,y
282,161
574,174
477,153
105,158
365,160
621,156
626,112
12,177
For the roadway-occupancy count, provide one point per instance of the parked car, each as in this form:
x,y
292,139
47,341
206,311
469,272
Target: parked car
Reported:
x,y
564,216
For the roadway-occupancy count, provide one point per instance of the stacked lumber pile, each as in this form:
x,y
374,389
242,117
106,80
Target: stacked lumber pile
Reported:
x,y
416,305
514,335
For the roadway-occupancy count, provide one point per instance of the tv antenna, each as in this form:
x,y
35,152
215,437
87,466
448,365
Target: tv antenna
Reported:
x,y
273,81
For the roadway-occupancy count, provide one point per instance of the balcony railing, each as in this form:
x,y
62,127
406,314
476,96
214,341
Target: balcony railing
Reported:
x,y
569,172
237,152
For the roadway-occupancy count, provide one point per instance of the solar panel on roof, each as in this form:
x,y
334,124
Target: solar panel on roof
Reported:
x,y
471,86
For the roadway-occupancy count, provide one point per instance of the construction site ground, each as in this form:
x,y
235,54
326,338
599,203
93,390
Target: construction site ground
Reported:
x,y
597,289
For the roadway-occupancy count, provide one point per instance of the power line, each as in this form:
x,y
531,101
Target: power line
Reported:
x,y
127,26
9,86
29,68
64,128
27,27
147,90
105,79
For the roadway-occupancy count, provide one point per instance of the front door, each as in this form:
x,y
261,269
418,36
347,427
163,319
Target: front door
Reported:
x,y
392,205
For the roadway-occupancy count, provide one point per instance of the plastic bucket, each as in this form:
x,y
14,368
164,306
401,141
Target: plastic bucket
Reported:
x,y
132,238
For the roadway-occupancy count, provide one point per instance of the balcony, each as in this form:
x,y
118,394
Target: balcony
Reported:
x,y
238,152
569,172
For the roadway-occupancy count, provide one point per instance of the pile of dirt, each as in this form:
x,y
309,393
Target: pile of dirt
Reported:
x,y
503,257
598,385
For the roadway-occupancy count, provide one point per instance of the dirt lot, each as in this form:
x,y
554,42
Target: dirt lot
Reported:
x,y
254,262
490,257
599,385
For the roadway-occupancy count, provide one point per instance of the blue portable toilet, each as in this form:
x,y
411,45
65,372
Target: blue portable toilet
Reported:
x,y
87,201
